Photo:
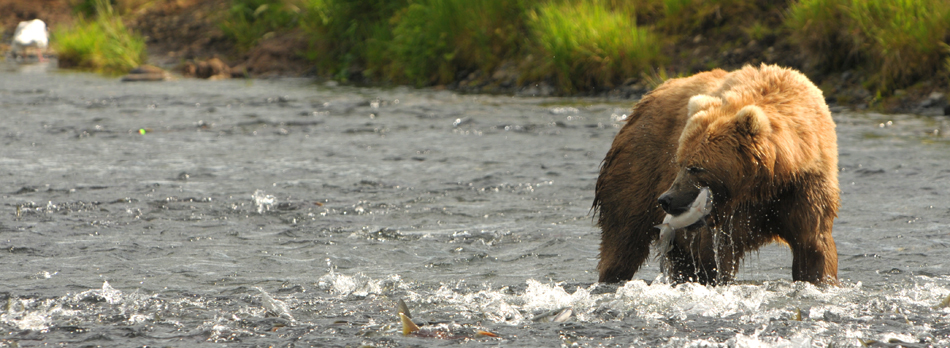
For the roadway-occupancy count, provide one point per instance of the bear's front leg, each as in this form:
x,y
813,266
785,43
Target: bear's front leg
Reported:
x,y
815,260
807,230
625,245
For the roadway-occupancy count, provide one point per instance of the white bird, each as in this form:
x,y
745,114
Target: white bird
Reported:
x,y
697,210
30,34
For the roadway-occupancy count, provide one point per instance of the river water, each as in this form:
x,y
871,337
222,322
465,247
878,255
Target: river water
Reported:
x,y
287,213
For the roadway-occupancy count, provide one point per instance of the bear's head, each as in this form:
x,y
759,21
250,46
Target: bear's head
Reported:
x,y
724,147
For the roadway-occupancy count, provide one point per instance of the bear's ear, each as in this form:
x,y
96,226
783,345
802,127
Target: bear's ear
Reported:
x,y
753,120
701,102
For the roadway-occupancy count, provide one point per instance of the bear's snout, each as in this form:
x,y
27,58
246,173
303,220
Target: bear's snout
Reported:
x,y
665,200
675,204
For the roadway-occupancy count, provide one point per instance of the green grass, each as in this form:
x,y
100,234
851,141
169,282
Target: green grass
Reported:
x,y
895,41
582,45
585,44
818,27
757,31
901,37
248,21
433,40
681,15
103,45
349,35
697,16
89,8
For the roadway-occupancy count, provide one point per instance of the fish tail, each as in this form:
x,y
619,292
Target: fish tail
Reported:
x,y
408,326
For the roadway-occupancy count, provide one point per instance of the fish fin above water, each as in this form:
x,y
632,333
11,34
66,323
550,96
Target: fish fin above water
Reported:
x,y
402,308
408,326
944,303
485,333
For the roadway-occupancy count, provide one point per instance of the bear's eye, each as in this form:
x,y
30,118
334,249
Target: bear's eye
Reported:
x,y
695,170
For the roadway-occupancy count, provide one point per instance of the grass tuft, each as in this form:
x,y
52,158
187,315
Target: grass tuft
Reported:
x,y
103,45
249,21
89,8
433,40
348,36
901,37
585,44
897,41
692,16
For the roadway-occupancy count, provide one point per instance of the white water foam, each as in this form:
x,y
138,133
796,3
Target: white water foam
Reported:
x,y
357,285
827,315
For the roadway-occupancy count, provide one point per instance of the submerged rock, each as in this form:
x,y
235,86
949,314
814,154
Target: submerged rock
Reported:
x,y
213,69
147,73
934,105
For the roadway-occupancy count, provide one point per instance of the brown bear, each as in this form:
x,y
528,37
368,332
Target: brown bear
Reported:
x,y
760,141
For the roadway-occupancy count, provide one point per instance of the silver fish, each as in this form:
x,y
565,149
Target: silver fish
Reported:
x,y
697,210
559,315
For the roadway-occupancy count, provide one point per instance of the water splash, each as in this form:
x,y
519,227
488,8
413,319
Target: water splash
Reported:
x,y
39,315
106,294
358,285
263,201
276,307
564,110
29,314
746,341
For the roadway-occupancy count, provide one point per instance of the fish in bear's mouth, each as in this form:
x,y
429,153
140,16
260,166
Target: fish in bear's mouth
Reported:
x,y
700,207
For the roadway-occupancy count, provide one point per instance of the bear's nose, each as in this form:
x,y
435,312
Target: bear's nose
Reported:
x,y
665,200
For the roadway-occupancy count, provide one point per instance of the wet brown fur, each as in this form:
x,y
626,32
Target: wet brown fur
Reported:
x,y
765,144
